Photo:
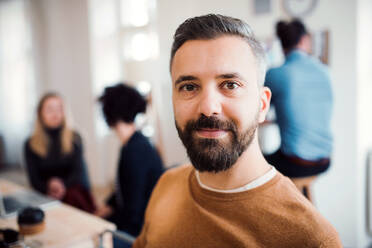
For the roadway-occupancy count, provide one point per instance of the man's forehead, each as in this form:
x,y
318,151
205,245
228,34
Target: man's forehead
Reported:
x,y
219,56
223,40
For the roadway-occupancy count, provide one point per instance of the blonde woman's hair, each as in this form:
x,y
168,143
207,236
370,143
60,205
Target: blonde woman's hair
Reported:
x,y
39,141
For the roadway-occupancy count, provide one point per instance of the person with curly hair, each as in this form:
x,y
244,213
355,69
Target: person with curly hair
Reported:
x,y
140,165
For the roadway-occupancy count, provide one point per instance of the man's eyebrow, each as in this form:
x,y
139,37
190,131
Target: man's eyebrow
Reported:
x,y
185,78
230,75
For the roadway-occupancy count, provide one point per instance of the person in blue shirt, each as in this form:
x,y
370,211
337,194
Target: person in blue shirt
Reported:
x,y
302,98
140,165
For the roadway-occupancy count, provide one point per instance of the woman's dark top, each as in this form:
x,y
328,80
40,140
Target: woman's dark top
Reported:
x,y
70,168
139,169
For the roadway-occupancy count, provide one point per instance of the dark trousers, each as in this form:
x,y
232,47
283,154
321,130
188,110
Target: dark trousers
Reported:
x,y
296,167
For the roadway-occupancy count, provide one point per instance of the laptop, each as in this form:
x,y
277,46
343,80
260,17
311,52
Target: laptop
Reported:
x,y
11,204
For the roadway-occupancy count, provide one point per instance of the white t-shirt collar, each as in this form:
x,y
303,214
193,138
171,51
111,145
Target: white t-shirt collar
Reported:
x,y
254,184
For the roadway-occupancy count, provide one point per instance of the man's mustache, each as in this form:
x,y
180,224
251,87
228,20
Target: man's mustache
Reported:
x,y
210,123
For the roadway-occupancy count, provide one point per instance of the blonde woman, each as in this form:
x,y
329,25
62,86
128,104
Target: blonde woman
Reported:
x,y
54,156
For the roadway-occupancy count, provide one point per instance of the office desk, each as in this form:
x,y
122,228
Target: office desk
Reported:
x,y
65,226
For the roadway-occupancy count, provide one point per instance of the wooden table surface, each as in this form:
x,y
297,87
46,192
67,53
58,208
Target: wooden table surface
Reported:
x,y
66,226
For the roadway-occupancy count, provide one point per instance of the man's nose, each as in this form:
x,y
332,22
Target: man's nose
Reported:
x,y
210,103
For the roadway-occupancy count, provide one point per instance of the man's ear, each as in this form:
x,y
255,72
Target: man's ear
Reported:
x,y
265,97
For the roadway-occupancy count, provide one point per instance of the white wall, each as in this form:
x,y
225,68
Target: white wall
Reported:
x,y
364,115
17,84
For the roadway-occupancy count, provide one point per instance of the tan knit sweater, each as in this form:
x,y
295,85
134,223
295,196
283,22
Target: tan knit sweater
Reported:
x,y
182,214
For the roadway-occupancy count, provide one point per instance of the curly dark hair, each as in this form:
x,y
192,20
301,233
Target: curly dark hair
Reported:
x,y
121,103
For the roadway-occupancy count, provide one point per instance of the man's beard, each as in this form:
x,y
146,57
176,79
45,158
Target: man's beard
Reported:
x,y
215,155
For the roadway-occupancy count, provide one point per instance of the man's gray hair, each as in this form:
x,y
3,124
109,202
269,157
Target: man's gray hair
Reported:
x,y
212,26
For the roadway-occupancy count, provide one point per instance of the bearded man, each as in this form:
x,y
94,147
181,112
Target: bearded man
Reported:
x,y
229,196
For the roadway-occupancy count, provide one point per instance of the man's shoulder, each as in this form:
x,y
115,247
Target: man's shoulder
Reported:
x,y
173,184
297,213
272,72
276,75
174,174
173,181
286,192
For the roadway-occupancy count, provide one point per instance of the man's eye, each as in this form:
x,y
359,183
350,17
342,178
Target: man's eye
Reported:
x,y
230,85
187,87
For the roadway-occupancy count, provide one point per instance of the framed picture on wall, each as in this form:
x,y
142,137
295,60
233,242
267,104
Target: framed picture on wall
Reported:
x,y
320,45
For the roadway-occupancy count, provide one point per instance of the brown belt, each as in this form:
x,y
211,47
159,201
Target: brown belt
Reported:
x,y
300,161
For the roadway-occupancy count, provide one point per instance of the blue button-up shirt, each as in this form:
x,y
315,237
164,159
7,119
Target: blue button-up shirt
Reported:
x,y
302,97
